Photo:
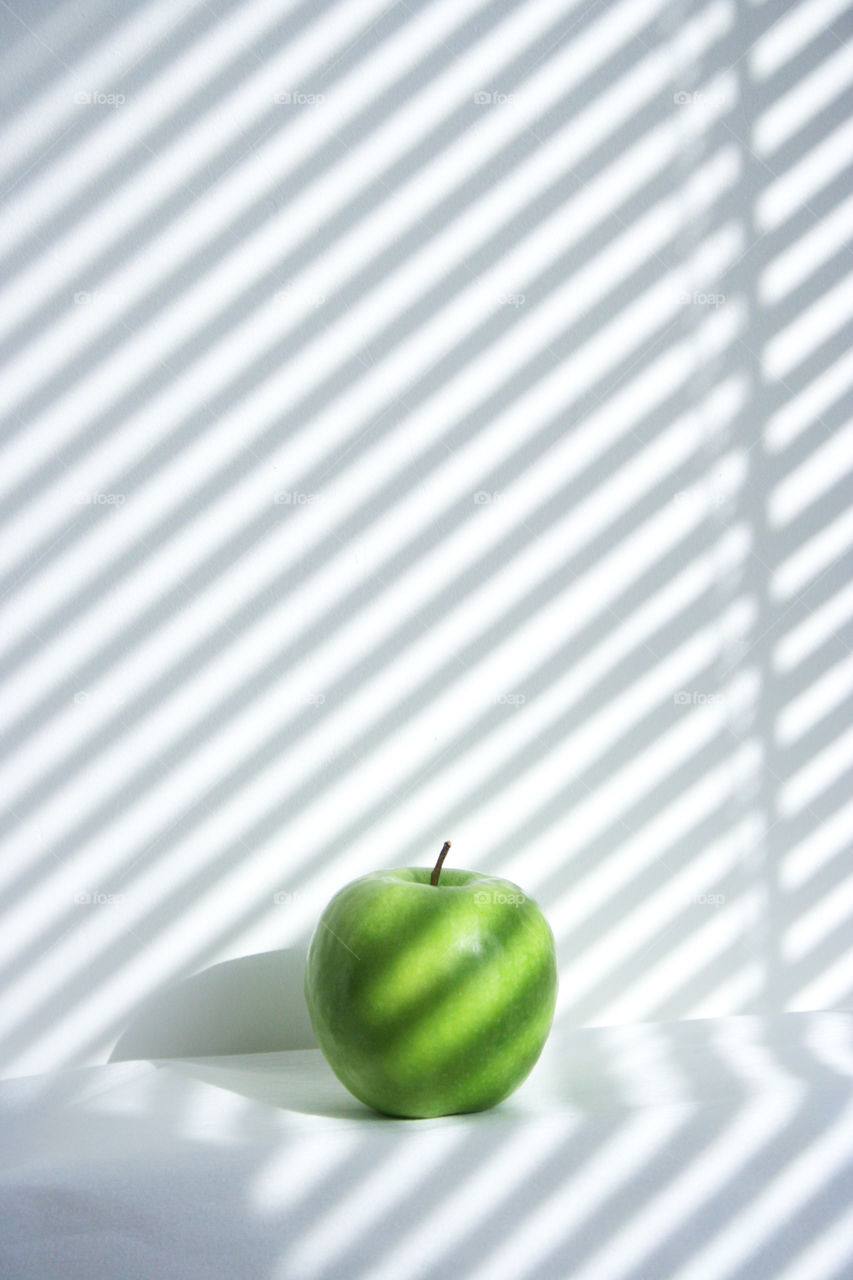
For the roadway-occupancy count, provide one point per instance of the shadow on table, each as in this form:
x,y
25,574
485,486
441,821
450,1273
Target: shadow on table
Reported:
x,y
296,1081
254,1004
243,1026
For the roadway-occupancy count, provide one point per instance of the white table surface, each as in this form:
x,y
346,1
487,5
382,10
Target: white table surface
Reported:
x,y
710,1148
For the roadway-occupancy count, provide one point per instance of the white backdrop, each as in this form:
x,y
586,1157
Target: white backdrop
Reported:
x,y
425,420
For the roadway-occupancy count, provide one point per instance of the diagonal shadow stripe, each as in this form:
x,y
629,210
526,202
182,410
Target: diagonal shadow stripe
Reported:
x,y
343,531
204,574
266,522
269,824
384,654
250,689
753,1171
390,649
170,55
376,271
674,1205
29,66
284,190
245,57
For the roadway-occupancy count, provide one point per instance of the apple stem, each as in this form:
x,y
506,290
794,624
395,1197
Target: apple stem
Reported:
x,y
436,871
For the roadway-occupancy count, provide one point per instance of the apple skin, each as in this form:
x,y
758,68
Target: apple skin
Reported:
x,y
428,1000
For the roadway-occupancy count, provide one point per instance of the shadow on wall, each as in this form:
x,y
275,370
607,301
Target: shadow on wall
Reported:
x,y
632,800
251,1005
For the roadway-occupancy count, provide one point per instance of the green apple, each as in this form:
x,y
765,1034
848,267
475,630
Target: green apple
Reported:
x,y
431,993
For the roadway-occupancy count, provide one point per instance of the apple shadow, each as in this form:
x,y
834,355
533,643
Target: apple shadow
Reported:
x,y
242,1025
254,1004
295,1080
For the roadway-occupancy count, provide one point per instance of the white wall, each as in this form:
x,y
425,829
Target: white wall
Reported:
x,y
425,420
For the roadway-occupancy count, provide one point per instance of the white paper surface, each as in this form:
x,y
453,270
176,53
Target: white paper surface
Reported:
x,y
707,1148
